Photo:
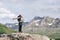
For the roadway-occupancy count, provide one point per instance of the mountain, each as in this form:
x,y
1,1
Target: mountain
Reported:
x,y
40,25
15,26
45,26
4,29
45,21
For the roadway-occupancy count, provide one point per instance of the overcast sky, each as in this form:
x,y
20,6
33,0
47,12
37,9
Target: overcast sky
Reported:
x,y
28,9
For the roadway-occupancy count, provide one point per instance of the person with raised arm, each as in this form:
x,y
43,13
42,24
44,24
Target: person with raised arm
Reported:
x,y
20,21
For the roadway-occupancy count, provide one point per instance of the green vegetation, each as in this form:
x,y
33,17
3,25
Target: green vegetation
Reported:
x,y
5,30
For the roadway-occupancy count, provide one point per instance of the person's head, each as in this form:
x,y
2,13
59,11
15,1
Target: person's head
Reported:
x,y
20,15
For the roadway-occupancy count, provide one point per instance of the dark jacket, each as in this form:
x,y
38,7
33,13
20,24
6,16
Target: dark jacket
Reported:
x,y
19,18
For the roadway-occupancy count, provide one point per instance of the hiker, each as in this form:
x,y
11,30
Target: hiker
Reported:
x,y
20,21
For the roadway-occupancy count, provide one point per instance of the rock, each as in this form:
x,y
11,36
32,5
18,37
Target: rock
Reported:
x,y
25,36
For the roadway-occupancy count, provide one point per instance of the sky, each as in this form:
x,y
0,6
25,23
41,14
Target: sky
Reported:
x,y
28,9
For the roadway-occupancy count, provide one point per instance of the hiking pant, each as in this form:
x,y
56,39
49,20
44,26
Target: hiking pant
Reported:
x,y
20,26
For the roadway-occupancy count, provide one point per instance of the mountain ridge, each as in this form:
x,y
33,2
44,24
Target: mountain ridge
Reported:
x,y
39,21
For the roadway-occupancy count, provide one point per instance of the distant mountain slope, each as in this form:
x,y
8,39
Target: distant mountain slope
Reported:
x,y
45,26
4,29
15,26
45,21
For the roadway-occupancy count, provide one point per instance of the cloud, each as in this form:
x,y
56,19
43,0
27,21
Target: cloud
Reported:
x,y
6,13
6,16
30,8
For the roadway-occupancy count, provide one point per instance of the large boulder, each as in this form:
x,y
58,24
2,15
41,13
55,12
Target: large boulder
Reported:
x,y
25,36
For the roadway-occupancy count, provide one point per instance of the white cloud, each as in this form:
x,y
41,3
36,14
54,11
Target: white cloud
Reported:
x,y
6,13
4,10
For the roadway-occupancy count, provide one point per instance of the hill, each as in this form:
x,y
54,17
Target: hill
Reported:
x,y
4,29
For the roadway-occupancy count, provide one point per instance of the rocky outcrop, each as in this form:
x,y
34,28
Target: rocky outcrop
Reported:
x,y
25,36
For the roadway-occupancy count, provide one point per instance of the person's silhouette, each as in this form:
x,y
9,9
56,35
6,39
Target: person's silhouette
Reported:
x,y
19,18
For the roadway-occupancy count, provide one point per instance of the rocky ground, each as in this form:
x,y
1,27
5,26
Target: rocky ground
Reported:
x,y
23,36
